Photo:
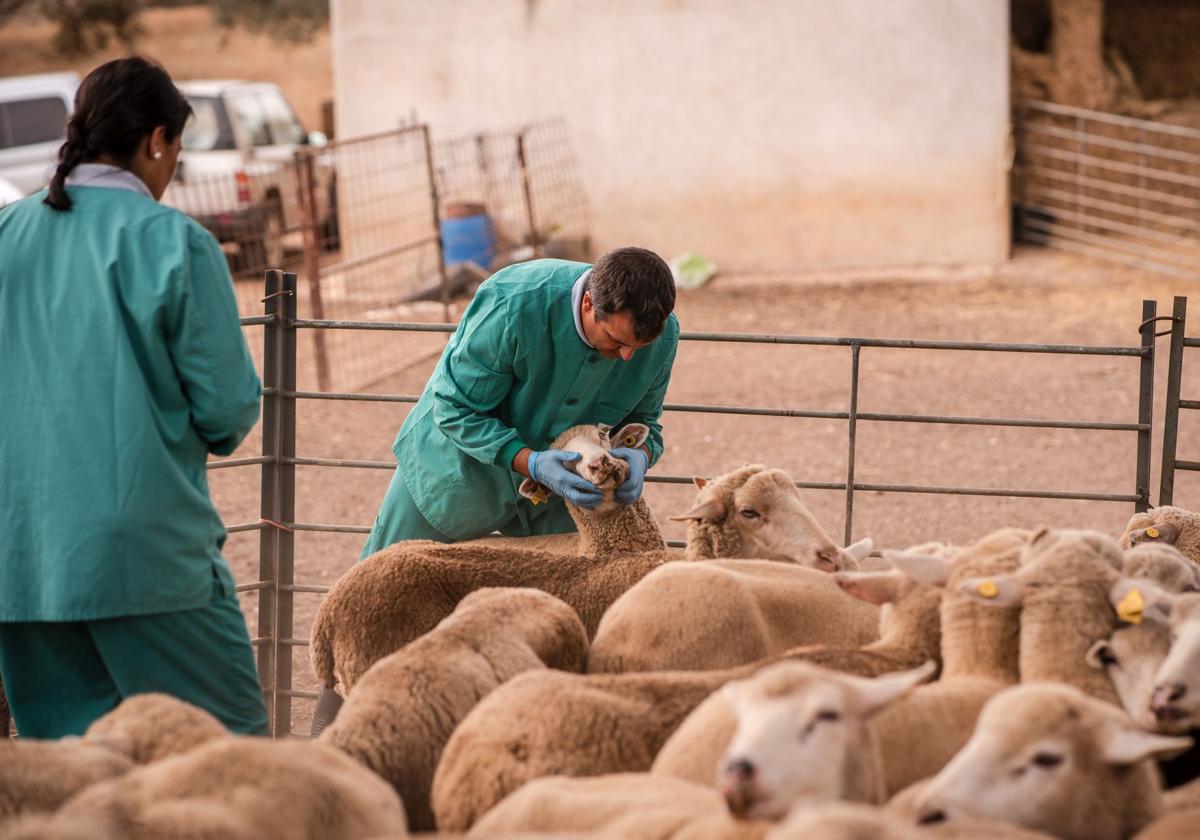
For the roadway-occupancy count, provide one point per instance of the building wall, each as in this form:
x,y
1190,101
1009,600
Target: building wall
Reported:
x,y
767,134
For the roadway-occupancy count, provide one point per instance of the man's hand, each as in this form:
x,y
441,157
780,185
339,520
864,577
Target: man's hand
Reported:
x,y
550,469
631,489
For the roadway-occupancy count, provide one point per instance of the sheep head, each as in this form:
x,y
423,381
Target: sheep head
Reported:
x,y
757,513
1176,699
800,729
597,464
1046,756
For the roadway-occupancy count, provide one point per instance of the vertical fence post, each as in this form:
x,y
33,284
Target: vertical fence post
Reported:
x,y
852,436
1145,405
306,188
435,205
276,546
1166,487
522,161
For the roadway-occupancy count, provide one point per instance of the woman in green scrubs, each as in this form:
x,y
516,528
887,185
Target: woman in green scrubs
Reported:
x,y
124,366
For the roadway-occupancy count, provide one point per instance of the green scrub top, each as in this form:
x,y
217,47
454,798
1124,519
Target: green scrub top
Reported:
x,y
122,365
516,373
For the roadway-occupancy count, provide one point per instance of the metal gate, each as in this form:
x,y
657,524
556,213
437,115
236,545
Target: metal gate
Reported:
x,y
1175,403
277,587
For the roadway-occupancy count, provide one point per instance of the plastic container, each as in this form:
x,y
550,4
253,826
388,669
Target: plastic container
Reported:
x,y
467,235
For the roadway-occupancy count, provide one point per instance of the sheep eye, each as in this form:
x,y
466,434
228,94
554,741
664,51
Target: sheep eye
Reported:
x,y
829,716
1107,659
749,513
1047,760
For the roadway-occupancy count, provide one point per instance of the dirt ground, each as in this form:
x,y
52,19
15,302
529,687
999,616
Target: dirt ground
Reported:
x,y
1039,297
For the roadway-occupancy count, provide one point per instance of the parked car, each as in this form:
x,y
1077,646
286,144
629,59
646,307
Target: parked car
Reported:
x,y
236,172
9,193
33,122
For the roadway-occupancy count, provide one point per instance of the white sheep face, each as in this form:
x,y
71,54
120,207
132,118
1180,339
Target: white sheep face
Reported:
x,y
1040,755
1131,658
800,731
594,443
1176,698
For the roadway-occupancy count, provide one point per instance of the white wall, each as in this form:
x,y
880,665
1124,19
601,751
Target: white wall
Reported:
x,y
767,134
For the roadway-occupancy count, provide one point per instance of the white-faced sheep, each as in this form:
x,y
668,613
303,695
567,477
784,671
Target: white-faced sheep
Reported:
x,y
1050,758
403,591
855,821
240,787
555,723
802,734
1165,525
38,776
157,726
921,732
400,714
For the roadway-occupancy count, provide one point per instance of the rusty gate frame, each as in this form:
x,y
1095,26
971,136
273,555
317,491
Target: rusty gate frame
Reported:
x,y
1174,403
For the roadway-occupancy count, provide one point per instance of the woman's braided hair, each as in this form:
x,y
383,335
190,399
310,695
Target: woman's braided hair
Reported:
x,y
116,106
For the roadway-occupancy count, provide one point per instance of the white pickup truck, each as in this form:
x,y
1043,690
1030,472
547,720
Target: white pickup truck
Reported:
x,y
237,174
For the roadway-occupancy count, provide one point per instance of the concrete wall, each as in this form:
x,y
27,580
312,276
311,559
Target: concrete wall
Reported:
x,y
767,134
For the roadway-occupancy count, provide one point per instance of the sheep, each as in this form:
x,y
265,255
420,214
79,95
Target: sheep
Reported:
x,y
620,805
546,723
399,715
919,733
1064,581
1165,525
1176,698
720,614
1163,564
802,734
1176,825
1051,758
244,787
403,591
157,726
38,776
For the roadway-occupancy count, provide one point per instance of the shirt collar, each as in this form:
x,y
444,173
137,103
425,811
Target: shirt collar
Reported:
x,y
577,303
106,175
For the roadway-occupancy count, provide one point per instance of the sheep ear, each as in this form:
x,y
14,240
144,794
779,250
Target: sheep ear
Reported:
x,y
1158,533
528,488
1092,657
1039,535
872,587
994,591
870,696
1125,745
631,435
1135,599
118,742
861,550
927,569
712,511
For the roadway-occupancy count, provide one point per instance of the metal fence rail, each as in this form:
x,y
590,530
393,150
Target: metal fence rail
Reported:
x,y
1123,189
1175,403
276,586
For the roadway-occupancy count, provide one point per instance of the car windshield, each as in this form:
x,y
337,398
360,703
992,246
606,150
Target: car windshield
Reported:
x,y
208,129
24,122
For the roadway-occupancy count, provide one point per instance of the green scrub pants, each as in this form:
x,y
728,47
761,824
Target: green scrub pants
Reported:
x,y
399,519
61,675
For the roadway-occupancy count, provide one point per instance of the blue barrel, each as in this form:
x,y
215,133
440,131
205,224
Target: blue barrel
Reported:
x,y
468,239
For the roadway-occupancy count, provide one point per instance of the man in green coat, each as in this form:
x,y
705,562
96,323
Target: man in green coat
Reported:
x,y
544,345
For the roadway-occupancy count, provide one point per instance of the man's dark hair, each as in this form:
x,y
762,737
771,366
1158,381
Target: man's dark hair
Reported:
x,y
117,105
636,281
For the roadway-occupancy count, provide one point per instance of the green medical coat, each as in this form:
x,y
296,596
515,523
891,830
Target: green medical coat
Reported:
x,y
122,365
514,374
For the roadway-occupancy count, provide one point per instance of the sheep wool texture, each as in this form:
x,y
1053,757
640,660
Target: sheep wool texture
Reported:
x,y
244,787
400,714
1162,563
1174,525
721,614
39,776
157,726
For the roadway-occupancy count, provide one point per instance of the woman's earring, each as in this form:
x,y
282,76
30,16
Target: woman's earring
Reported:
x,y
158,155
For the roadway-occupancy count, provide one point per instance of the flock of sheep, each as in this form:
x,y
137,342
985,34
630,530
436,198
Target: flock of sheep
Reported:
x,y
598,685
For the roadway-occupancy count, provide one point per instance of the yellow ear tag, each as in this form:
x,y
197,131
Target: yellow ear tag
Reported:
x,y
1152,533
987,589
630,440
540,495
1129,608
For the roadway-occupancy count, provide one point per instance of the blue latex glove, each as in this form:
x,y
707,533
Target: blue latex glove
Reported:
x,y
631,489
549,468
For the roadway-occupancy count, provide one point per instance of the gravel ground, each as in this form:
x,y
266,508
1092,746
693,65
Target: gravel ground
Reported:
x,y
1039,297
